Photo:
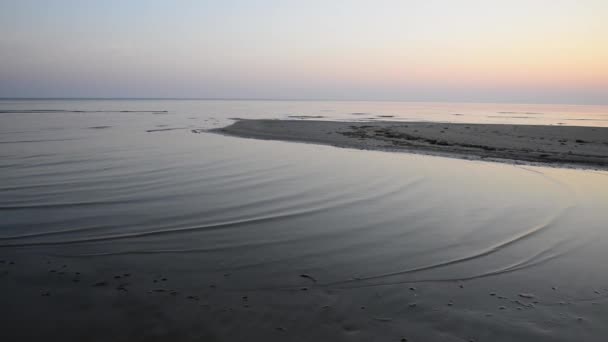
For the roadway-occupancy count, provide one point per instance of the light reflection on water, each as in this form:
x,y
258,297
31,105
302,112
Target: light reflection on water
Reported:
x,y
64,183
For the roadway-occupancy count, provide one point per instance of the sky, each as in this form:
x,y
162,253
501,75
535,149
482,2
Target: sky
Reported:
x,y
526,51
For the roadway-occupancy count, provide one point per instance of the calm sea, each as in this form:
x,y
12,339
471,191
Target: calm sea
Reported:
x,y
126,184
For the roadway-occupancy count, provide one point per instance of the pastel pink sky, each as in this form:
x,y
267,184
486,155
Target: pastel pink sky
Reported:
x,y
468,50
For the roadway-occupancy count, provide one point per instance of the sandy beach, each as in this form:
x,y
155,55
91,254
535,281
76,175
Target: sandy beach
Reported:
x,y
556,145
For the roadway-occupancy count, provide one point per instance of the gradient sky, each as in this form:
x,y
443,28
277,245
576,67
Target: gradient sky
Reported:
x,y
551,51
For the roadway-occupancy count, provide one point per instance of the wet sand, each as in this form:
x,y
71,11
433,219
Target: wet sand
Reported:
x,y
556,145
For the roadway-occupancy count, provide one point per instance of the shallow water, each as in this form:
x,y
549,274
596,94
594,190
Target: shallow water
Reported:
x,y
124,185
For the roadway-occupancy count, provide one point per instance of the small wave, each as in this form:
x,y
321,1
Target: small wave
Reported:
x,y
63,205
36,141
542,257
537,259
290,213
214,226
485,252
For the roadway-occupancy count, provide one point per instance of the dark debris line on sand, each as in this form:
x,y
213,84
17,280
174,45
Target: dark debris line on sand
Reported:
x,y
399,139
547,145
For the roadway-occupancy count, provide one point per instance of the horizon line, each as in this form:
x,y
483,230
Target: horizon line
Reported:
x,y
290,99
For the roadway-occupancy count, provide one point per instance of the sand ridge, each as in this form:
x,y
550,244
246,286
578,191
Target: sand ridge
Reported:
x,y
554,145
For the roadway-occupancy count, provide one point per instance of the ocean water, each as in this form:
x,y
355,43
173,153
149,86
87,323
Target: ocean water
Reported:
x,y
446,249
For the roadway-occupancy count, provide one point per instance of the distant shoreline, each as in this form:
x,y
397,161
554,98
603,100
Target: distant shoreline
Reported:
x,y
562,146
262,99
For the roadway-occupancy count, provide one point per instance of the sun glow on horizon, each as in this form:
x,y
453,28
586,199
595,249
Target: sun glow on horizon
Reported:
x,y
550,50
